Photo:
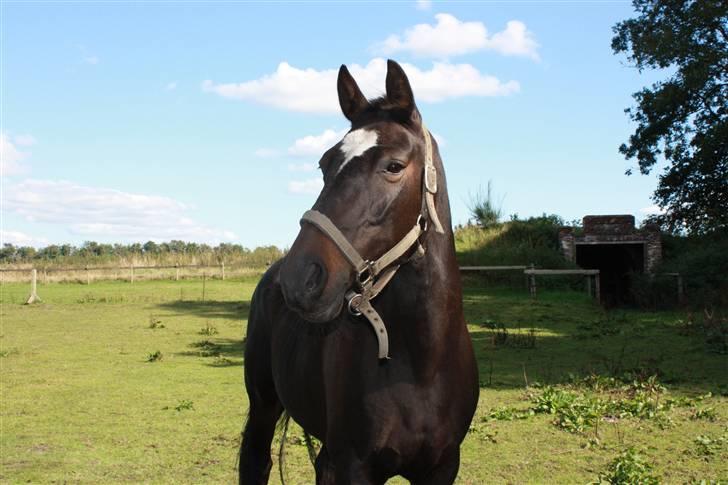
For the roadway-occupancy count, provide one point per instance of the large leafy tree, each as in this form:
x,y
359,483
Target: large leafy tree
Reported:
x,y
683,119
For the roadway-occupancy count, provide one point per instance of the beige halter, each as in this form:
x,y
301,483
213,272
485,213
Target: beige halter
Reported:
x,y
373,276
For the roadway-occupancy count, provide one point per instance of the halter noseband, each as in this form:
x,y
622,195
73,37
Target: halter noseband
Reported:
x,y
373,276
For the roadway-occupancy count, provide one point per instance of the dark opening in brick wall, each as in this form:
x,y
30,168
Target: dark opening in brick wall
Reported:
x,y
616,263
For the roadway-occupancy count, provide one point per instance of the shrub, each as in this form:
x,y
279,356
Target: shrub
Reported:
x,y
702,260
629,467
208,330
484,211
517,242
154,356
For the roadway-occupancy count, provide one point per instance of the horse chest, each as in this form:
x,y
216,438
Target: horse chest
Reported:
x,y
333,385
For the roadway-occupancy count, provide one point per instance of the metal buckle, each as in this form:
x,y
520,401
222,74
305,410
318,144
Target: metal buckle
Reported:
x,y
422,222
353,304
369,272
431,179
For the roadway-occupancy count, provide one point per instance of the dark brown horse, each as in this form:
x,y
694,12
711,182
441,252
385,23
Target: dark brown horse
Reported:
x,y
392,391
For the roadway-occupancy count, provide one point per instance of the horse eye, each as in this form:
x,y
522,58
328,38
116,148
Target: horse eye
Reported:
x,y
395,167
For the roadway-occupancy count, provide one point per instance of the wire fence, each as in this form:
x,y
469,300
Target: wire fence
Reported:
x,y
131,273
88,274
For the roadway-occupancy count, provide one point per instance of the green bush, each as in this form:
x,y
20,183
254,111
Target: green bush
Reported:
x,y
485,212
701,260
629,467
515,243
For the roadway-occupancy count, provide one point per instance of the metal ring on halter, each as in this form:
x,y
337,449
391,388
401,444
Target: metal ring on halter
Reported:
x,y
353,304
422,222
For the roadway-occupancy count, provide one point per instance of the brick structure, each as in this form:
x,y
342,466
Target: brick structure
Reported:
x,y
612,244
611,230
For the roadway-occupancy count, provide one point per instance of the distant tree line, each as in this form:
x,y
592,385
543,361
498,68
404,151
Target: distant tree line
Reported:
x,y
152,253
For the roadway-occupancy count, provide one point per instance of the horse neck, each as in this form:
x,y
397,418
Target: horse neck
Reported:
x,y
427,297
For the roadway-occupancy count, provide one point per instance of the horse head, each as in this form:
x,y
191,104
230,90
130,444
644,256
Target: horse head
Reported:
x,y
375,182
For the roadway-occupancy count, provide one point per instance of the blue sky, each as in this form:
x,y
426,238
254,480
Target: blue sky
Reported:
x,y
204,121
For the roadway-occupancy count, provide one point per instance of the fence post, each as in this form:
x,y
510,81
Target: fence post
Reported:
x,y
532,283
222,267
131,274
33,288
597,293
88,276
176,272
588,285
680,289
204,277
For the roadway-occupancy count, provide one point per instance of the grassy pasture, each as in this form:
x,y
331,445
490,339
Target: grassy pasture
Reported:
x,y
114,382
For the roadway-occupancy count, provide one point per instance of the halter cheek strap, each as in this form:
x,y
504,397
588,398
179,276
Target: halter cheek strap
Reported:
x,y
373,276
430,177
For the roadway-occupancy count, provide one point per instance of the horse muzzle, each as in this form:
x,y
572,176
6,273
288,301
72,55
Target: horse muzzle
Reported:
x,y
310,287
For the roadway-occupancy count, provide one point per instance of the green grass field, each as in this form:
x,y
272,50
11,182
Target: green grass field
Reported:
x,y
115,382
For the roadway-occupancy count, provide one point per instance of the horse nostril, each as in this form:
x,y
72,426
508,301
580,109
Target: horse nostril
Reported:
x,y
314,277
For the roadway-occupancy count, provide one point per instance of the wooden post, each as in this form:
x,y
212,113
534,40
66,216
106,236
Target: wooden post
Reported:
x,y
597,293
680,289
588,285
33,288
88,276
222,267
204,277
131,274
532,283
176,272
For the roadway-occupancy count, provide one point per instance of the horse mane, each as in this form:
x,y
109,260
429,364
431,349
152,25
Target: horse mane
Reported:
x,y
382,108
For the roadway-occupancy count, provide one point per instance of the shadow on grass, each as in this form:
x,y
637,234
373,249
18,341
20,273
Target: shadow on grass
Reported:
x,y
560,335
218,352
231,310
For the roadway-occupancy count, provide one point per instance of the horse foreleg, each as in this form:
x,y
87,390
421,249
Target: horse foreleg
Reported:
x,y
324,468
445,472
255,460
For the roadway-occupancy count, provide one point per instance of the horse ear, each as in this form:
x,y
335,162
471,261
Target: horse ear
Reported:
x,y
399,90
351,99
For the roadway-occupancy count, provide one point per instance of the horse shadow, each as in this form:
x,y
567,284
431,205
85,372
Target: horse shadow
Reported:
x,y
208,309
217,351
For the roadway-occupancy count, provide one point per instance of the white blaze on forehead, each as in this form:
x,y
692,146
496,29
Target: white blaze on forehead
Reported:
x,y
355,143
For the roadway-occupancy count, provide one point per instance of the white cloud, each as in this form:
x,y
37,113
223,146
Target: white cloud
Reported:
x,y
448,37
653,209
515,40
18,238
424,4
267,153
308,187
452,37
24,140
302,167
171,86
11,157
313,91
93,60
316,144
103,213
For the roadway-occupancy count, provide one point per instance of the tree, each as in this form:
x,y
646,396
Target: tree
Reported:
x,y
685,117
